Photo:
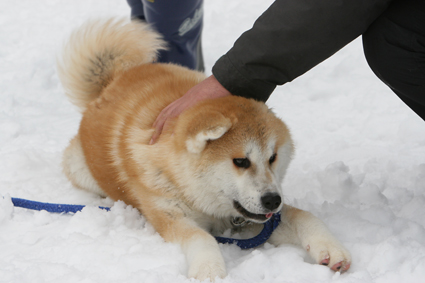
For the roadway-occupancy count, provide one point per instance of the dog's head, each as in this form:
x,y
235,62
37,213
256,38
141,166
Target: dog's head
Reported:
x,y
235,152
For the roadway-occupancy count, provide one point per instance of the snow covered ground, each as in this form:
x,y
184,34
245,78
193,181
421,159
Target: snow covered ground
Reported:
x,y
359,166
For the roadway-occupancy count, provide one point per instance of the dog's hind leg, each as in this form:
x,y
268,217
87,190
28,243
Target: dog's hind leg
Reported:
x,y
76,169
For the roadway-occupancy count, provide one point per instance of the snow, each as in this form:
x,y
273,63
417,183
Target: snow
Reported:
x,y
359,165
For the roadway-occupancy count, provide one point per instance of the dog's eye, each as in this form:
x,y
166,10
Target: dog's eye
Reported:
x,y
242,162
273,158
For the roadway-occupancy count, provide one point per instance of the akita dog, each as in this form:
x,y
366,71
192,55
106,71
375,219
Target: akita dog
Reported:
x,y
221,159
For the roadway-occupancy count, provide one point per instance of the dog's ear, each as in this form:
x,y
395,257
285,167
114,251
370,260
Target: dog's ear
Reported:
x,y
194,131
212,128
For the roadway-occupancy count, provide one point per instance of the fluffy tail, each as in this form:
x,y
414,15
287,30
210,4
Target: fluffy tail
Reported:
x,y
100,50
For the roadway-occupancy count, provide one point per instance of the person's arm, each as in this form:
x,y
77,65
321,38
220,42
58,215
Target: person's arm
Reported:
x,y
290,38
287,40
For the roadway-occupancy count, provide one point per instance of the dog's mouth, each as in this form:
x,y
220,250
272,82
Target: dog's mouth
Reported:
x,y
251,216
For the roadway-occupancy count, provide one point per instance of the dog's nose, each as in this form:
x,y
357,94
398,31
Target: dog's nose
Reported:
x,y
271,201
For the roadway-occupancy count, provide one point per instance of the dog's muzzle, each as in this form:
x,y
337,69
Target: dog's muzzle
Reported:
x,y
259,218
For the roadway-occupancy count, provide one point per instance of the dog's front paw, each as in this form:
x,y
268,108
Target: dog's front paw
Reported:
x,y
205,268
204,257
330,252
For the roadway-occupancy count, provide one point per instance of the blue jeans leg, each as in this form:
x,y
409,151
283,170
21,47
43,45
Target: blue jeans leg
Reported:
x,y
180,23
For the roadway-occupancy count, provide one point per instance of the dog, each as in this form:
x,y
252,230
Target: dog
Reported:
x,y
221,159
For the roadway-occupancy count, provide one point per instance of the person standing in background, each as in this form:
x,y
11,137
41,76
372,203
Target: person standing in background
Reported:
x,y
180,23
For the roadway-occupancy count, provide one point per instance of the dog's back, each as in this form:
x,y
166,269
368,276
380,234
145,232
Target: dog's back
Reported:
x,y
106,69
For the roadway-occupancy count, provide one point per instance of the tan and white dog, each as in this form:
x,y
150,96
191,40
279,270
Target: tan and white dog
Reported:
x,y
221,159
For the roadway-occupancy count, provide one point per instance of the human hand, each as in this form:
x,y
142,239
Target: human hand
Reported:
x,y
207,89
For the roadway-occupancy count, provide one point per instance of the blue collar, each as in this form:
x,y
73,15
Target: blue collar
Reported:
x,y
256,241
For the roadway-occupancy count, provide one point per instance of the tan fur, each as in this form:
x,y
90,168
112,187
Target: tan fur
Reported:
x,y
186,184
101,56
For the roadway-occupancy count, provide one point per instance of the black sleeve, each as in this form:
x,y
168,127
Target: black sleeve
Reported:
x,y
290,38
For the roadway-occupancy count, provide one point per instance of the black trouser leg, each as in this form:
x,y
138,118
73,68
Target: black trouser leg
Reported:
x,y
394,46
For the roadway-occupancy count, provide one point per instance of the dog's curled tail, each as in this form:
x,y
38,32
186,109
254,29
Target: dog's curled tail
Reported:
x,y
100,50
